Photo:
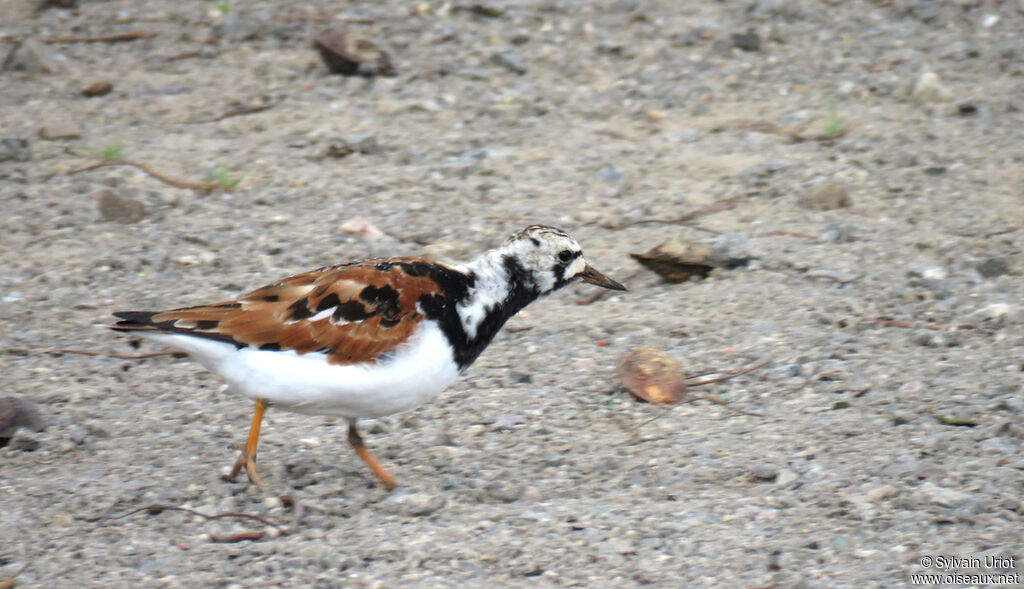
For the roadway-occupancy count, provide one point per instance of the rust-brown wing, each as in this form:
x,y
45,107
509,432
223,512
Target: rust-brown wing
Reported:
x,y
352,312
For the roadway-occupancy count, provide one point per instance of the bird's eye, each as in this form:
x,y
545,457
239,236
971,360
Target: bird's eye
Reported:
x,y
565,255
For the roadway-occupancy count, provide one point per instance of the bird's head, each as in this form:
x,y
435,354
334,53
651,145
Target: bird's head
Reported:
x,y
550,259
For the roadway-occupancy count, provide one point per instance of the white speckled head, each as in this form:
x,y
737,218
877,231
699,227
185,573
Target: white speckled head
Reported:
x,y
531,263
551,258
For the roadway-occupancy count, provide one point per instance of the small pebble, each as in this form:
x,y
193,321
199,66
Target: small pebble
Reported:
x,y
508,421
33,57
836,234
488,9
509,60
928,271
786,477
765,472
944,496
504,491
15,148
748,41
883,492
610,174
414,504
119,209
58,130
929,88
24,440
826,196
992,267
731,250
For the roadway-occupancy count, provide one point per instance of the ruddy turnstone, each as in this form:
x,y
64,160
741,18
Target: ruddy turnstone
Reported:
x,y
368,338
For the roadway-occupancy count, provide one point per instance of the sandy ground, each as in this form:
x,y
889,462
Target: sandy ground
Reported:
x,y
860,449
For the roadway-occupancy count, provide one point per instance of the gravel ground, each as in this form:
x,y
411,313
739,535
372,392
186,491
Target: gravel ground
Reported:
x,y
871,157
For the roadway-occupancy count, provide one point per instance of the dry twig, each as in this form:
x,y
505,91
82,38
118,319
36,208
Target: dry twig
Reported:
x,y
240,110
117,38
724,375
889,322
248,535
158,508
202,186
793,134
787,234
718,207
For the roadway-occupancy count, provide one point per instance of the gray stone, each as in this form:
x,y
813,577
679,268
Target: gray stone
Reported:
x,y
509,60
992,267
836,233
33,57
119,209
826,196
904,465
929,88
883,492
731,250
488,9
508,421
944,496
57,130
504,491
15,148
364,143
413,504
786,477
610,174
764,471
748,41
928,271
24,441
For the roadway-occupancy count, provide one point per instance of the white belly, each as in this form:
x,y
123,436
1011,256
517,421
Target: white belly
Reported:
x,y
419,370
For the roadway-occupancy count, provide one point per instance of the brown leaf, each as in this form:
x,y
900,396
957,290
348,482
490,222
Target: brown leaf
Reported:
x,y
652,375
677,261
101,88
351,56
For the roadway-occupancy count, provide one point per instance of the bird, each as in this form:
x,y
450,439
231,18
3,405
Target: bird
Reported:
x,y
365,339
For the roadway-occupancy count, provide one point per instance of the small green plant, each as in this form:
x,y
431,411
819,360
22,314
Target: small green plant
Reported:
x,y
224,178
834,126
224,8
110,152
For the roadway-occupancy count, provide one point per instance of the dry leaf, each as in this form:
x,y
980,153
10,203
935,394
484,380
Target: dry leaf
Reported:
x,y
652,375
351,56
677,261
101,88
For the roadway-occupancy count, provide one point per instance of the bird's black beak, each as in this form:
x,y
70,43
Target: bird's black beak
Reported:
x,y
592,276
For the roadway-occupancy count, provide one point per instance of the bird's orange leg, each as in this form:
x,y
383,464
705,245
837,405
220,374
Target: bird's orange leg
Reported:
x,y
359,446
247,459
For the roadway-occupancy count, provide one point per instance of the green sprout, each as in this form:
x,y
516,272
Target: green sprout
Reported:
x,y
110,152
224,178
834,126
